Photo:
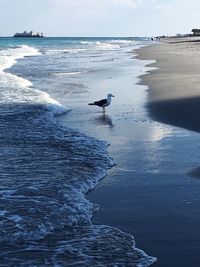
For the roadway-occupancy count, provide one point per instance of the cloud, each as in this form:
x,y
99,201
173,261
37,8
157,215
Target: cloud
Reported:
x,y
159,5
128,3
162,7
97,3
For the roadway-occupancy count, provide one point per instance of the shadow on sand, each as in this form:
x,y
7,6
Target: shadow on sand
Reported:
x,y
184,113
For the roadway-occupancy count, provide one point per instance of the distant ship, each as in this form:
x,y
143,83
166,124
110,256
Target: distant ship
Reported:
x,y
30,34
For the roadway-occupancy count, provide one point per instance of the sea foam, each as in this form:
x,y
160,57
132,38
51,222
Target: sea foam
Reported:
x,y
9,56
48,169
19,89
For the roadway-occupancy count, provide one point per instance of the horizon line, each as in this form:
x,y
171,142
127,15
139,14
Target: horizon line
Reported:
x,y
106,36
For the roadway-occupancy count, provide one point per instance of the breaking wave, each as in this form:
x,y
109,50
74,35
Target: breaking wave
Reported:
x,y
47,169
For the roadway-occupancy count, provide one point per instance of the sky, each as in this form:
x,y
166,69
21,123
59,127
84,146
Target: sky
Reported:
x,y
99,17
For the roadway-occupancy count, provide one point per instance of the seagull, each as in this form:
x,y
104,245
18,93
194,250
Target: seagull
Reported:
x,y
103,102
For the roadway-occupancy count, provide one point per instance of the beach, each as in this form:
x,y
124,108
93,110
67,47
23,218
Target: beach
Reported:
x,y
153,192
119,188
55,147
99,133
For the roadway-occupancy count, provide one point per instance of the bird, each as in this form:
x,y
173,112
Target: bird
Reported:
x,y
103,102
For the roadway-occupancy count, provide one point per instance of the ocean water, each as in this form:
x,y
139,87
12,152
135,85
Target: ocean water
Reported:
x,y
46,167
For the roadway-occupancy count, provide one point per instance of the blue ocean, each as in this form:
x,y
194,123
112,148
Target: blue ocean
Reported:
x,y
47,166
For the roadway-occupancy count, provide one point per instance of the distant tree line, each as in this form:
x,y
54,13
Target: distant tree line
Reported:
x,y
196,32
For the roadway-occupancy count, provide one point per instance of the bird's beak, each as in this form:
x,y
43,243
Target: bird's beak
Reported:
x,y
112,95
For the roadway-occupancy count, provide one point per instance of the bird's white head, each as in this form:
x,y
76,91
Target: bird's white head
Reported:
x,y
110,95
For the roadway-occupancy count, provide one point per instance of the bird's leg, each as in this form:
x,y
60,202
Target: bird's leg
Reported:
x,y
103,109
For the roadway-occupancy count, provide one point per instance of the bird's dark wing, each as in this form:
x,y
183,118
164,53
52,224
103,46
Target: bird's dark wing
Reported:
x,y
100,102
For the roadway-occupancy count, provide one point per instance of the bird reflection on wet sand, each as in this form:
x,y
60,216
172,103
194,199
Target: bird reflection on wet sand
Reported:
x,y
104,120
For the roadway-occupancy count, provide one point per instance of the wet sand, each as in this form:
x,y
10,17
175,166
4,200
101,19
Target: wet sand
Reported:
x,y
149,193
153,192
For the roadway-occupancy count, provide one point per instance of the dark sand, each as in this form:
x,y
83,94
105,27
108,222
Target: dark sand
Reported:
x,y
153,192
149,193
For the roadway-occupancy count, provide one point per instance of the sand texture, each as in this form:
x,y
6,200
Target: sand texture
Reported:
x,y
174,84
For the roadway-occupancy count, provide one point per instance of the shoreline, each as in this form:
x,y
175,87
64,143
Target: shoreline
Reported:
x,y
76,160
150,194
110,127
